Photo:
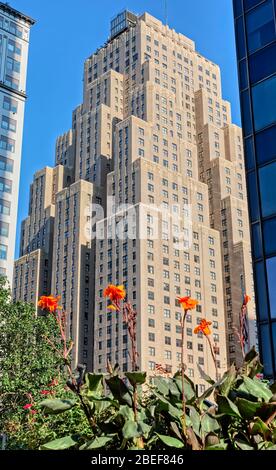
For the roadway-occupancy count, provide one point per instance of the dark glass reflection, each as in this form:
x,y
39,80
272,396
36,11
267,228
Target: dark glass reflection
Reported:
x,y
260,26
266,349
237,5
264,99
271,276
253,196
266,145
261,290
240,38
269,229
267,178
256,241
261,64
243,74
246,116
274,337
249,153
250,3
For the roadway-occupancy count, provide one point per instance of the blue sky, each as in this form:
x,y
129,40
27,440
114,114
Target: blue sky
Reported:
x,y
68,31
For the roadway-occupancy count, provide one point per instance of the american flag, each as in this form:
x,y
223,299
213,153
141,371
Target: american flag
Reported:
x,y
244,326
244,329
161,369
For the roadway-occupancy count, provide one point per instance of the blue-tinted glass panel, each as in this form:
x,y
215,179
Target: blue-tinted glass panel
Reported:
x,y
249,153
253,196
246,113
267,177
243,74
260,26
265,341
262,63
256,241
271,280
237,6
261,292
240,38
264,99
274,340
269,229
251,3
265,143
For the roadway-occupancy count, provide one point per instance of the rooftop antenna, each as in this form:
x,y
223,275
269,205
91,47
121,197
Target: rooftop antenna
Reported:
x,y
166,12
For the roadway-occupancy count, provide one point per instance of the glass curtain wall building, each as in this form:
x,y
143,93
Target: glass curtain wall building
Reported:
x,y
255,27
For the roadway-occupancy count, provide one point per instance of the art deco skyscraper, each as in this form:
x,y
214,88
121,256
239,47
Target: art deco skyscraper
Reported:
x,y
153,133
14,44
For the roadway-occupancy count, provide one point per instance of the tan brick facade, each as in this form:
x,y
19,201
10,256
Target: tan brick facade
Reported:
x,y
153,132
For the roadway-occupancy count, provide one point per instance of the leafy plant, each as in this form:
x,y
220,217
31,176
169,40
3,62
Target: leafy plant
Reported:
x,y
31,368
240,415
129,410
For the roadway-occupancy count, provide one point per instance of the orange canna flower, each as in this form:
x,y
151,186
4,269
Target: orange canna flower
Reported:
x,y
246,299
115,293
49,302
187,303
203,327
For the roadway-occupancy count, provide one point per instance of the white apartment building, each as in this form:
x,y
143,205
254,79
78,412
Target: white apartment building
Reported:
x,y
14,45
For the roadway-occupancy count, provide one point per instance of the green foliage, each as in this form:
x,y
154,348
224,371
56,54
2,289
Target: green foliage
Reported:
x,y
171,441
120,411
26,357
61,444
240,417
28,365
57,406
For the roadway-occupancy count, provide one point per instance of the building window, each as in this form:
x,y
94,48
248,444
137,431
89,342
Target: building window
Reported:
x,y
14,47
260,26
7,144
8,124
264,97
3,251
4,229
151,309
6,164
12,82
168,355
271,273
201,388
267,175
5,207
151,337
10,105
5,185
12,65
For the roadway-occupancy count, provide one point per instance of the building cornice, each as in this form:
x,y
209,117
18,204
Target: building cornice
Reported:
x,y
11,11
12,90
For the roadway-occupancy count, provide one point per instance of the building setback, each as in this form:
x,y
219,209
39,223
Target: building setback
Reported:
x,y
255,26
153,132
14,45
